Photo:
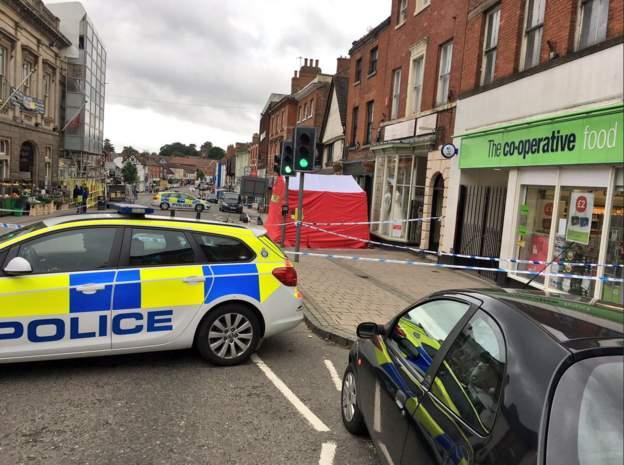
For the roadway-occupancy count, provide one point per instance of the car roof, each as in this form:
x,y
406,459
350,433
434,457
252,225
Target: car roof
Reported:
x,y
58,220
573,322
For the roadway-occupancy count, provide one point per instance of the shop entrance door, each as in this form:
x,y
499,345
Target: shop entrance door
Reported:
x,y
482,210
436,212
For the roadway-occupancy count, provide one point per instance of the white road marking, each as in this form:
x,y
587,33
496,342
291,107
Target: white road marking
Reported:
x,y
315,421
334,375
328,452
385,452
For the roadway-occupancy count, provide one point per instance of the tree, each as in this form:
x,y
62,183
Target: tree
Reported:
x,y
216,153
200,175
129,173
129,151
108,147
205,148
179,149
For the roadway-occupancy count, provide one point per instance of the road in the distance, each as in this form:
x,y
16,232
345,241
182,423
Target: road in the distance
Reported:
x,y
174,408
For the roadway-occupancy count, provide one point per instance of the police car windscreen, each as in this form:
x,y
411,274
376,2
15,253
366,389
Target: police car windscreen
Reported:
x,y
20,232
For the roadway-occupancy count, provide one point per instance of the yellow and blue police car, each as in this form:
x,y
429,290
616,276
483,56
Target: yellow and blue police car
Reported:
x,y
179,201
128,281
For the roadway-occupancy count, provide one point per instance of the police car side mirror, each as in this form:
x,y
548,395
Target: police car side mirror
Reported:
x,y
369,330
18,266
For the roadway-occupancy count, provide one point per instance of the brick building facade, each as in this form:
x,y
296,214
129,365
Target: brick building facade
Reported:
x,y
534,70
30,123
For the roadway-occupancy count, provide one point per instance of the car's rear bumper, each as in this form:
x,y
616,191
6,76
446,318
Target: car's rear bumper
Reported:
x,y
282,311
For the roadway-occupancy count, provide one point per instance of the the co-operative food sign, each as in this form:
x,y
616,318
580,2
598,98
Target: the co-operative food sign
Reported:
x,y
579,138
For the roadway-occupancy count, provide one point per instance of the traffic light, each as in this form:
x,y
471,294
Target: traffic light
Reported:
x,y
287,166
305,142
276,164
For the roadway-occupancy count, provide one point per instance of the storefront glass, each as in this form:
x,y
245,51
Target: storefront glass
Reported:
x,y
399,194
614,292
577,238
534,223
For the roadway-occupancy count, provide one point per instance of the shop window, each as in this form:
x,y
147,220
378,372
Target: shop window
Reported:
x,y
577,238
400,195
534,228
611,291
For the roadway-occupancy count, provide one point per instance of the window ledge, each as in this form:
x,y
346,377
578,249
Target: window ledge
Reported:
x,y
370,75
418,11
400,25
356,83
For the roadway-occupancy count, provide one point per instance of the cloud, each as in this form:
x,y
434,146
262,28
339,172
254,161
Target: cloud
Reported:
x,y
206,67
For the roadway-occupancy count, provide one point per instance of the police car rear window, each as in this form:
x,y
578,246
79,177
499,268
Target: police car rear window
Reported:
x,y
222,249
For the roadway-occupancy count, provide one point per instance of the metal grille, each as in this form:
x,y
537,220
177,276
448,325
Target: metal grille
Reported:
x,y
482,225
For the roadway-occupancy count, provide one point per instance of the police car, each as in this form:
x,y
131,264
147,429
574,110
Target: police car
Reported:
x,y
179,201
128,282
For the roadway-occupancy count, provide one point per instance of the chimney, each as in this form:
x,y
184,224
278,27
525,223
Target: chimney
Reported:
x,y
342,66
305,63
316,64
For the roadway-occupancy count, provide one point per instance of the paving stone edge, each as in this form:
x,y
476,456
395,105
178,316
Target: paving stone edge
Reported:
x,y
318,324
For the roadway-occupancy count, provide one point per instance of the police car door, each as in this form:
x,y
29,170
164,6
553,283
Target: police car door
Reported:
x,y
160,289
63,305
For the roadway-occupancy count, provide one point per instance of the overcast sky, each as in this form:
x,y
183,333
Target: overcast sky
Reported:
x,y
198,70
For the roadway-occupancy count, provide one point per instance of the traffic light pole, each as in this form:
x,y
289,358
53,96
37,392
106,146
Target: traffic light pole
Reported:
x,y
299,216
285,210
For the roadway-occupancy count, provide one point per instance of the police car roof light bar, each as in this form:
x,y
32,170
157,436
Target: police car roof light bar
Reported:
x,y
131,209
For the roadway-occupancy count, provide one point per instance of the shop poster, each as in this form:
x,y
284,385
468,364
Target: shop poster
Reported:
x,y
580,217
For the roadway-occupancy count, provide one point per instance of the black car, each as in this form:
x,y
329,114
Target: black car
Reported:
x,y
490,377
231,202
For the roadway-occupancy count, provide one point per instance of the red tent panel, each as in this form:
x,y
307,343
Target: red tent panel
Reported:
x,y
334,199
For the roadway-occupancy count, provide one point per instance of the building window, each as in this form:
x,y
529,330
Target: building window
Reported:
x,y
421,5
47,85
490,43
612,291
369,122
444,73
27,68
402,11
358,70
533,29
396,93
372,63
593,16
418,71
330,154
4,55
4,158
311,108
354,125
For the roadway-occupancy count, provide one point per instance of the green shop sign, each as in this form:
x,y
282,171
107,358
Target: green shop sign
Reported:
x,y
574,139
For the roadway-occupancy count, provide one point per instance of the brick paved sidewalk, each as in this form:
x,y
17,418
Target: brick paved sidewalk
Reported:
x,y
340,294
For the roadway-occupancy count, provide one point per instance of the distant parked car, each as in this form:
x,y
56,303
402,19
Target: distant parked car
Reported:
x,y
231,202
179,201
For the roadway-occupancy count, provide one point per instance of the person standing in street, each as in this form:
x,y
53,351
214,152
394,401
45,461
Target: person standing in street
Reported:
x,y
77,196
85,198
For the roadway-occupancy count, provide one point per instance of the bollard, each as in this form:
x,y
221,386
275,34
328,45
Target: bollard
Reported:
x,y
198,215
172,213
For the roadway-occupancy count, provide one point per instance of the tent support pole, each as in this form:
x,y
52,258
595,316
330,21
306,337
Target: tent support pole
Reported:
x,y
299,216
285,211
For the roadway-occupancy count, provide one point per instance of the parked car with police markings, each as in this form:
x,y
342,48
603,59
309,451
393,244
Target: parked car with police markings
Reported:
x,y
491,377
127,282
179,201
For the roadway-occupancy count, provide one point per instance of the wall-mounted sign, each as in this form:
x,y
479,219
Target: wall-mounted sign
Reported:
x,y
574,139
426,124
399,130
448,150
580,217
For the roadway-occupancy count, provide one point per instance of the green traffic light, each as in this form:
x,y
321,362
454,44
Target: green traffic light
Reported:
x,y
287,169
303,163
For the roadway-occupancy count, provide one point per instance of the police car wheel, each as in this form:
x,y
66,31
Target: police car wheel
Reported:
x,y
199,208
351,416
164,206
228,335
